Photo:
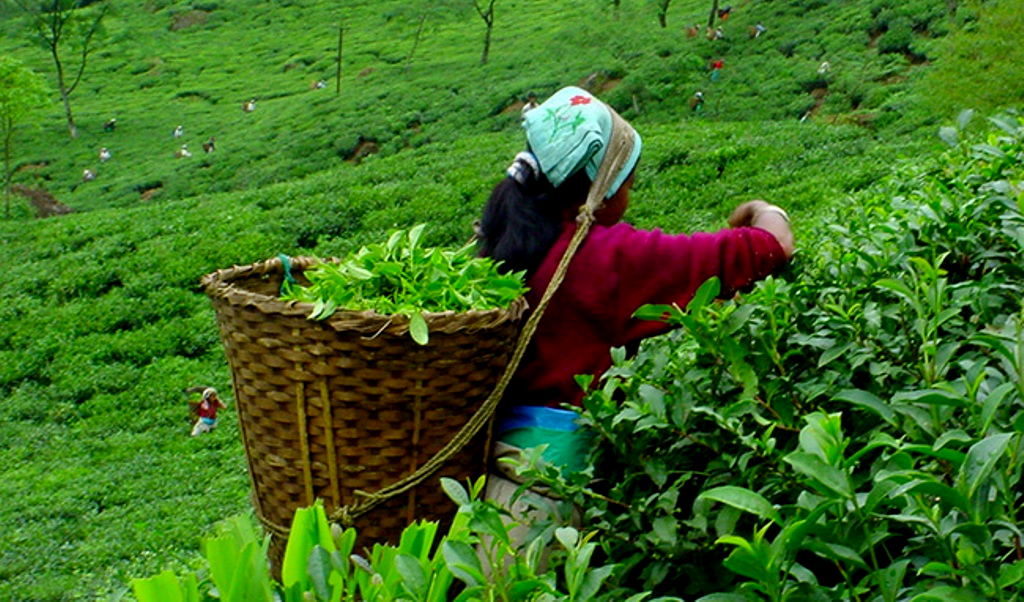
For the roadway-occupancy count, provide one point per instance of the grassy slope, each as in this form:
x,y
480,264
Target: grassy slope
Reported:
x,y
152,78
102,323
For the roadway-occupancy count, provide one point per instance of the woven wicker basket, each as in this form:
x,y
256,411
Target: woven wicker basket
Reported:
x,y
339,408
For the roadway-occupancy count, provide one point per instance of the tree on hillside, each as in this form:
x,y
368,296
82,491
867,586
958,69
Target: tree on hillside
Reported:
x,y
714,13
20,91
487,14
663,12
62,28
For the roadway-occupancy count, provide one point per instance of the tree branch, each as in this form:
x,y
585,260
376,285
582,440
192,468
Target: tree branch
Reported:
x,y
85,46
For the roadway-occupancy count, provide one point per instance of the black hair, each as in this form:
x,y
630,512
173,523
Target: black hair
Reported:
x,y
521,222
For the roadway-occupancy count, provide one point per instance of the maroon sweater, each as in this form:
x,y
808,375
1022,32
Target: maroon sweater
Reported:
x,y
615,271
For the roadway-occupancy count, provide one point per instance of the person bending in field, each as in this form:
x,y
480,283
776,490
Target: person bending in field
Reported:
x,y
531,103
206,411
574,140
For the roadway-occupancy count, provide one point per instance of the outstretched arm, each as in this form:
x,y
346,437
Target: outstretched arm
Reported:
x,y
764,215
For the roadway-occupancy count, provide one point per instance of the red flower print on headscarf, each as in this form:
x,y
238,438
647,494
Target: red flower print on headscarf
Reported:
x,y
579,99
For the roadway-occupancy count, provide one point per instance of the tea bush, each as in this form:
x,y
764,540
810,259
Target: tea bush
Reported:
x,y
473,560
850,430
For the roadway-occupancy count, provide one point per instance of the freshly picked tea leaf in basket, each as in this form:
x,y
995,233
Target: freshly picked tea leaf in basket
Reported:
x,y
401,277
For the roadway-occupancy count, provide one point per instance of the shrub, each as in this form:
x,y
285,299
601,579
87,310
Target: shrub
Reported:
x,y
851,427
321,564
897,38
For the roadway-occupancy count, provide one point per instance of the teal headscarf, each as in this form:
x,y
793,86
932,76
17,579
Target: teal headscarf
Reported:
x,y
571,131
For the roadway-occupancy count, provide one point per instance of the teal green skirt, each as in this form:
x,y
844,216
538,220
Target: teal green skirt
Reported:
x,y
568,444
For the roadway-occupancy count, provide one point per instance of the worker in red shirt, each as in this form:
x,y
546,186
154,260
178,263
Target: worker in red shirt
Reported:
x,y
528,223
206,411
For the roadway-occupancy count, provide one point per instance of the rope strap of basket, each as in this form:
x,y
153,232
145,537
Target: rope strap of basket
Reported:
x,y
616,155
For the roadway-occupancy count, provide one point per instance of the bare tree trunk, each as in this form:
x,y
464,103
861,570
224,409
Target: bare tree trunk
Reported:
x,y
488,17
663,12
714,13
337,78
51,24
65,93
416,40
9,130
487,44
951,6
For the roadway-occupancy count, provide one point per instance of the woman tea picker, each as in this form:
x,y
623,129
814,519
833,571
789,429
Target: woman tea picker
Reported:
x,y
579,146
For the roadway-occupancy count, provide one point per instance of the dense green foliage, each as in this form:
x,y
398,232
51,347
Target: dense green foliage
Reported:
x,y
20,91
103,322
977,69
322,564
849,432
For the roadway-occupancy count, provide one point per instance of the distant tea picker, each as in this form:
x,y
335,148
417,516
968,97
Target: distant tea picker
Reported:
x,y
206,410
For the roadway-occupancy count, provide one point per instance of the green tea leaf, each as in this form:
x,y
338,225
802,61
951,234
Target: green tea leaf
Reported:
x,y
832,353
666,529
950,436
980,462
415,234
932,397
934,489
1009,574
303,536
992,403
455,491
660,313
463,562
163,587
705,294
418,329
742,499
828,479
868,401
949,135
592,582
414,579
948,593
897,287
837,552
319,568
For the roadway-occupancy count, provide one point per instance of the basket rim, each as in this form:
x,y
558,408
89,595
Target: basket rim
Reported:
x,y
219,285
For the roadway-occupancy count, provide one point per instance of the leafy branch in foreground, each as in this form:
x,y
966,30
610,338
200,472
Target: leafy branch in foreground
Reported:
x,y
401,277
852,432
475,560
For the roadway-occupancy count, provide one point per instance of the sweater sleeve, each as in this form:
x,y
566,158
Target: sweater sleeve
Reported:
x,y
658,268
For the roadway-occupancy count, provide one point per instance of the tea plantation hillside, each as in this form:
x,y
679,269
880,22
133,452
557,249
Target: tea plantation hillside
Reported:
x,y
102,321
411,74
